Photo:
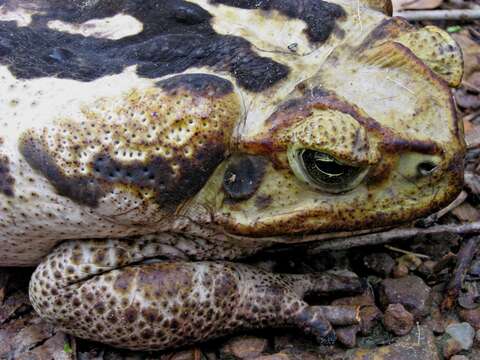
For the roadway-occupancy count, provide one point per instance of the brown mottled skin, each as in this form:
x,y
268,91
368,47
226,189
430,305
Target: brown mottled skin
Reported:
x,y
146,147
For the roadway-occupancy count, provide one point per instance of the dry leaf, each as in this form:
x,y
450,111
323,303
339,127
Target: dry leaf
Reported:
x,y
472,133
469,128
471,52
466,212
399,5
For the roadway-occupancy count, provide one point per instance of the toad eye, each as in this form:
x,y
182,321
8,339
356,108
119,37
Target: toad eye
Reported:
x,y
324,171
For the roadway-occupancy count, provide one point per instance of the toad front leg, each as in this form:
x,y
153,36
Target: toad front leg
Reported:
x,y
101,290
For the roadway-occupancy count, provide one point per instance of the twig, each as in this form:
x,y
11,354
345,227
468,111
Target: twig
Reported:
x,y
462,14
471,116
469,86
464,259
432,219
391,235
419,333
73,345
472,182
393,248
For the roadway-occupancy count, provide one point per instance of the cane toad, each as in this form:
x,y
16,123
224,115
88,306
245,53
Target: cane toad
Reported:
x,y
147,145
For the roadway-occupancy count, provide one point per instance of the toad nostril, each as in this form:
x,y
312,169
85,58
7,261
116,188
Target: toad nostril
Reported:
x,y
426,168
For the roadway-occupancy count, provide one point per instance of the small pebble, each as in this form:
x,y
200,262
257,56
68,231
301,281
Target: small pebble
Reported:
x,y
436,321
398,320
459,357
410,291
427,268
380,263
463,333
475,268
471,316
400,270
418,345
451,347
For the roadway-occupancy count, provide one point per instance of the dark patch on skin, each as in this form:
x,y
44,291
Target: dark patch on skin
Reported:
x,y
81,189
243,176
320,16
177,35
203,85
420,146
7,181
131,314
171,188
319,99
263,201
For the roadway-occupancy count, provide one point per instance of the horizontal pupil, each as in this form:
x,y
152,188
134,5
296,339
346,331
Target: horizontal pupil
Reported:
x,y
329,168
325,169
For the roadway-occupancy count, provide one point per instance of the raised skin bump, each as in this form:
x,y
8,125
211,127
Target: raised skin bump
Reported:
x,y
7,181
436,48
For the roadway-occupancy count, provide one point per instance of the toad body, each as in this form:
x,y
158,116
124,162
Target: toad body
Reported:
x,y
147,145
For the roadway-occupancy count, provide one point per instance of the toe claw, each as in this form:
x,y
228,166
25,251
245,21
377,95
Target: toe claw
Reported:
x,y
318,320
